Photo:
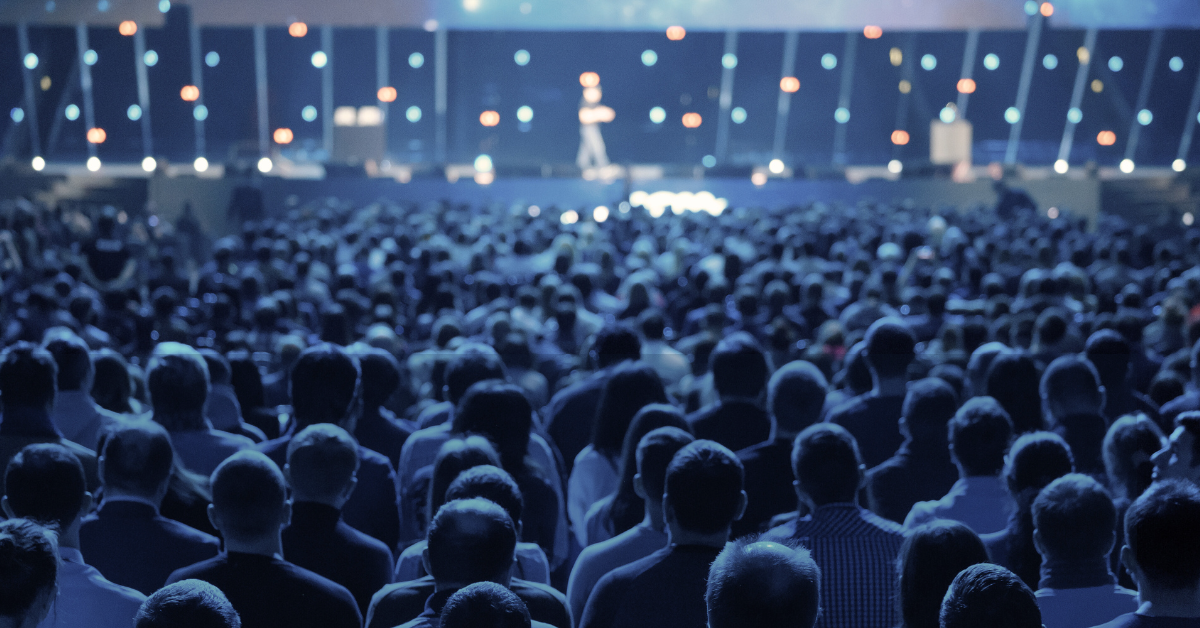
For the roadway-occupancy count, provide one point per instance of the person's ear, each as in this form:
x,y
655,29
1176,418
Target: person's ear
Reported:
x,y
639,486
213,517
287,476
1130,562
349,488
285,514
1037,543
8,511
425,560
85,504
743,501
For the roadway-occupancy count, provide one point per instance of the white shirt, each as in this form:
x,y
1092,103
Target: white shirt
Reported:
x,y
79,419
982,503
87,600
593,477
1082,608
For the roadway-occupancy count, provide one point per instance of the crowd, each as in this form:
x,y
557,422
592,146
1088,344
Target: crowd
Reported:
x,y
869,416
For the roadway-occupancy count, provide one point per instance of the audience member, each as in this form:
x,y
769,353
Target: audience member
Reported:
x,y
28,572
1111,355
1180,458
1128,448
1013,380
187,604
739,375
930,558
874,418
763,584
428,490
378,429
1190,400
1073,402
75,414
222,410
484,605
989,596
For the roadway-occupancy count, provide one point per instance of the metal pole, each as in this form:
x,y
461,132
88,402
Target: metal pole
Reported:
x,y
35,141
143,87
1068,138
1031,48
1135,127
85,83
731,38
847,89
790,41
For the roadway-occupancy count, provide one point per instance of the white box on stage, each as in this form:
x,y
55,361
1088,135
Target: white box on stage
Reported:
x,y
950,144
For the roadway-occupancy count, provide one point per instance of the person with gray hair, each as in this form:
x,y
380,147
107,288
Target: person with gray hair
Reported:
x,y
187,604
763,584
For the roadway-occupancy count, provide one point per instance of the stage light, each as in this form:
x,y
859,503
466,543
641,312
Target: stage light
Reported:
x,y
265,165
489,118
899,137
759,179
190,93
71,112
524,113
966,86
708,161
1126,166
649,58
1116,63
1145,117
1047,9
872,32
1050,62
789,84
1084,55
521,57
1176,64
201,164
691,120
386,94
483,163
150,58
430,26
416,60
413,114
991,61
841,115
738,115
212,59
319,59
39,163
297,29
658,115
1188,219
600,214
895,167
896,56
729,61
1061,166
283,136
569,217
470,6
947,114
928,62
200,112
1031,7
526,8
102,6
149,164
17,114
164,6
93,163
90,57
589,79
1178,165
1097,85
31,61
1106,138
1074,115
96,135
676,33
308,113
1052,213
534,211
776,166
127,28
1012,115
905,86
45,83
828,61
134,112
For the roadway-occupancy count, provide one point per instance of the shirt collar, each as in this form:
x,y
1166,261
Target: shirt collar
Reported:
x,y
112,499
70,555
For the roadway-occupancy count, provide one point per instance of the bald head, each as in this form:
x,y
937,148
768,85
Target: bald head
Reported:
x,y
137,459
763,584
470,540
248,497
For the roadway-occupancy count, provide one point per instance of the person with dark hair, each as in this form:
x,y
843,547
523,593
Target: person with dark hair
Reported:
x,y
874,418
703,496
484,605
248,389
655,450
112,386
127,538
28,389
1162,553
28,573
670,364
1112,354
931,556
470,540
250,509
979,435
855,548
763,584
989,596
921,469
222,409
75,413
45,484
1129,446
427,492
1189,401
739,375
471,363
978,366
1074,527
179,385
1035,460
1073,402
1013,380
187,604
326,389
1179,459
596,472
795,399
378,429
321,471
569,416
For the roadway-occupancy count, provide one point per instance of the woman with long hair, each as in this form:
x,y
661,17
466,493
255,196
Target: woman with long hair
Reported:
x,y
931,556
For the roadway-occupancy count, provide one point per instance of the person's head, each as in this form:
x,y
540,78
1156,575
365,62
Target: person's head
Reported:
x,y
1180,458
889,348
763,584
28,377
471,364
655,451
631,386
826,465
1130,443
1074,521
989,596
502,413
324,386
219,371
178,382
137,460
1070,386
1035,460
187,604
796,397
703,489
455,456
978,365
493,484
1162,549
929,405
628,505
931,556
73,359
615,343
469,541
112,386
979,435
484,605
28,572
249,498
739,367
45,483
1110,353
380,376
322,463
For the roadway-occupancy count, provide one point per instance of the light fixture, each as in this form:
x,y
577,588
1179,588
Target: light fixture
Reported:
x,y
212,59
600,214
308,113
658,115
96,136
872,32
1178,165
789,84
413,114
483,163
283,136
521,57
386,94
416,60
841,115
776,166
190,93
200,112
738,115
569,217
691,120
1061,166
201,164
900,137
297,29
93,163
149,164
589,79
828,61
38,163
991,61
127,28
265,165
649,58
1126,166
676,33
524,113
895,167
489,118
319,59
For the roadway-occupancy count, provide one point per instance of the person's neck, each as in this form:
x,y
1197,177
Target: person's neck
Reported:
x,y
183,421
1075,574
269,545
754,401
112,493
1158,602
333,502
654,516
442,585
69,537
679,536
889,386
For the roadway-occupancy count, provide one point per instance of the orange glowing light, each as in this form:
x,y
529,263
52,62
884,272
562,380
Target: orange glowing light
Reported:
x,y
676,33
589,79
789,84
692,120
283,136
127,28
386,94
899,137
966,86
96,135
297,29
872,32
190,93
1106,138
1047,9
489,118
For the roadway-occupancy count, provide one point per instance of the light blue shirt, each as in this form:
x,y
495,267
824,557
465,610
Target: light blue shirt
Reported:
x,y
87,600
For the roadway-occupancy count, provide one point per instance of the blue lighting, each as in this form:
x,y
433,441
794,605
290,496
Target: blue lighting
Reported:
x,y
1116,63
738,115
90,57
729,61
928,62
1144,117
991,61
200,112
709,161
524,113
649,58
829,61
1012,115
134,112
1176,64
309,113
413,114
17,114
1050,62
150,58
416,60
1074,115
71,112
841,115
212,59
521,57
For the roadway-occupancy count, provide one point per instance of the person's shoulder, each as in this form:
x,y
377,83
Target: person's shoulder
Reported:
x,y
186,533
85,455
312,580
198,571
847,408
886,527
362,540
1133,620
536,589
111,590
232,440
921,512
372,458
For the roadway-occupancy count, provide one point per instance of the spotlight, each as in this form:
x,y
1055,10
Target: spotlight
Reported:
x,y
569,217
776,166
759,179
691,120
1012,115
676,33
283,136
1178,165
1061,166
589,79
297,29
39,163
149,164
483,163
1106,138
489,118
1052,213
899,137
93,163
895,167
96,136
201,164
966,86
872,32
1126,166
190,93
265,165
789,84
1046,9
126,28
319,59
600,214
386,94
